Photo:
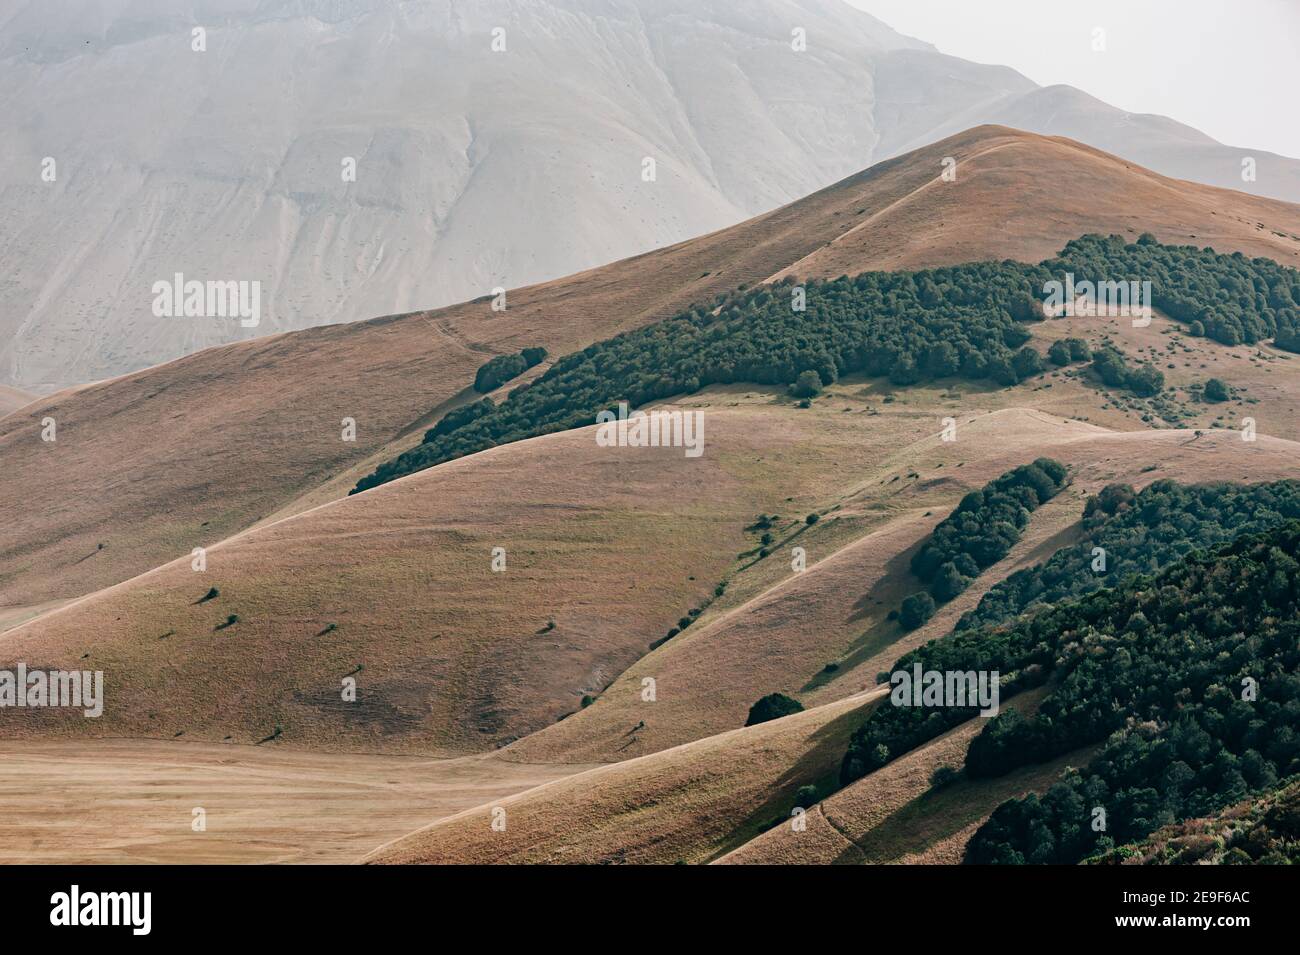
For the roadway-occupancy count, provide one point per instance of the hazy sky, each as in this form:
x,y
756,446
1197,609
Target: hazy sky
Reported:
x,y
1231,68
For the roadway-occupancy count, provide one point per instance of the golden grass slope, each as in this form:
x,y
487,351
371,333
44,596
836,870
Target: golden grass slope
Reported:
x,y
894,812
606,548
150,465
448,655
686,804
835,612
132,802
11,399
1014,194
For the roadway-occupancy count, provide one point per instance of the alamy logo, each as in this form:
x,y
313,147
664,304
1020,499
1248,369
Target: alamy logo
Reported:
x,y
103,908
946,688
656,429
53,688
194,299
1090,299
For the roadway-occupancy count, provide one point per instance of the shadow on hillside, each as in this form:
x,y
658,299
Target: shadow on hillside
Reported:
x,y
888,592
819,764
936,815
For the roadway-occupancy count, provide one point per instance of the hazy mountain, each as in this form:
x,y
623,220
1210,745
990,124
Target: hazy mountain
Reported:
x,y
474,168
916,91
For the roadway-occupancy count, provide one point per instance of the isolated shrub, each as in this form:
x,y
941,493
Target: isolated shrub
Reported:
x,y
1059,353
1145,381
1216,390
806,796
812,519
915,610
1079,350
944,776
772,707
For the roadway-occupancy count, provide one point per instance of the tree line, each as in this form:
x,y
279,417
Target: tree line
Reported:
x,y
965,322
1126,532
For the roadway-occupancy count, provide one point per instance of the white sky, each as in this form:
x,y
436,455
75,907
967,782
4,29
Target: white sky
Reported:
x,y
1230,68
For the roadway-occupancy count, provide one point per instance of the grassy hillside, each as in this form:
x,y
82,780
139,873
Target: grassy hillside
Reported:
x,y
155,463
11,399
690,803
960,323
769,564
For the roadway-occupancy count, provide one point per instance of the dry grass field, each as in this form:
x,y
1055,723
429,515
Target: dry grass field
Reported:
x,y
526,689
689,804
11,399
133,801
152,464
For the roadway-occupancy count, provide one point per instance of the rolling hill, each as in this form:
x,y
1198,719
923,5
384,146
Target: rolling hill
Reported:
x,y
253,427
625,572
473,168
11,399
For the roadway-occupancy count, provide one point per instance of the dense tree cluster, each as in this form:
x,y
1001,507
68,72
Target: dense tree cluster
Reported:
x,y
980,532
1263,830
1145,380
1172,658
1198,668
503,368
909,326
984,527
964,321
1230,298
1127,533
1141,533
1067,351
459,417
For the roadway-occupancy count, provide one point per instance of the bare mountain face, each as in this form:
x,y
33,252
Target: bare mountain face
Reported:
x,y
482,159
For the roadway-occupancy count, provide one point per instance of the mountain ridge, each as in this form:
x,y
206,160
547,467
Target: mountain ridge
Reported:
x,y
462,192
